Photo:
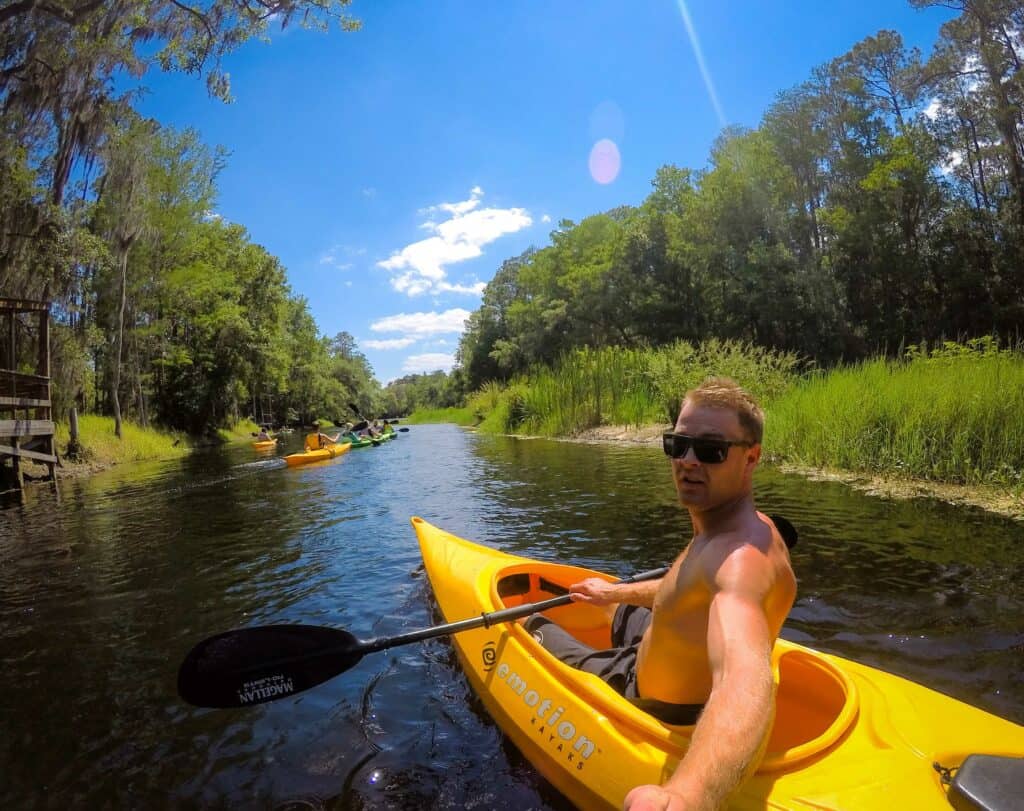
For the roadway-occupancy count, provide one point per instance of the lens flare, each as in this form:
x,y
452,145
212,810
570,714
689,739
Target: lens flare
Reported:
x,y
691,32
605,161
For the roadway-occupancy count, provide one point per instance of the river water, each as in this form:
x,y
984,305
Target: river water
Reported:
x,y
104,590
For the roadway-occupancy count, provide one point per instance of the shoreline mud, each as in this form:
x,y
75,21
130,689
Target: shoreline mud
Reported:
x,y
987,497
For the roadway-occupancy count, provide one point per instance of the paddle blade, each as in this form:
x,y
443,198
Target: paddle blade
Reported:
x,y
256,665
403,430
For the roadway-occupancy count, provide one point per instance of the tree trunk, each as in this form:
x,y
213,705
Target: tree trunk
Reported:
x,y
140,392
120,343
1004,114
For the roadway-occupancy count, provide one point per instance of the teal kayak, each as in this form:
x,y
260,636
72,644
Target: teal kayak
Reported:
x,y
366,441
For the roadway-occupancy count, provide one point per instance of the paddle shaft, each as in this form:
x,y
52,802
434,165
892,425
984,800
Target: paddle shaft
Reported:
x,y
264,663
355,410
487,619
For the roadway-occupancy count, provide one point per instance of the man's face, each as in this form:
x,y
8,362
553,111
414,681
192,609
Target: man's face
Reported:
x,y
704,486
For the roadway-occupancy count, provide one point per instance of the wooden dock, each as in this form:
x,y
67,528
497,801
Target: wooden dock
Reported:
x,y
26,420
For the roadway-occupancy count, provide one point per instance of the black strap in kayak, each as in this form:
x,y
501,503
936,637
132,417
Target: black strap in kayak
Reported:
x,y
786,530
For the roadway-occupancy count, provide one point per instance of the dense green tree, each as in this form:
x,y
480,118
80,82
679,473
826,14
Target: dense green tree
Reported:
x,y
880,202
160,309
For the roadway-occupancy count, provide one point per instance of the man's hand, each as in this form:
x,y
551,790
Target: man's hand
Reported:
x,y
595,591
656,798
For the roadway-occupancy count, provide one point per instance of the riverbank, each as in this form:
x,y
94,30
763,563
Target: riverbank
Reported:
x,y
100,449
998,500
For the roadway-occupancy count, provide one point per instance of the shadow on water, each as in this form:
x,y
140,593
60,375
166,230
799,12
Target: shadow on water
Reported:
x,y
102,594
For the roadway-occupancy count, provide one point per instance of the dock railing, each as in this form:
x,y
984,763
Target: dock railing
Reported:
x,y
26,418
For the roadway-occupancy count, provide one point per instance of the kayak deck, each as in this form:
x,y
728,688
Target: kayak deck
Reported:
x,y
845,735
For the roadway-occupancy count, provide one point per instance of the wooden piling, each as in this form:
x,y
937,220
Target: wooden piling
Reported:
x,y
32,437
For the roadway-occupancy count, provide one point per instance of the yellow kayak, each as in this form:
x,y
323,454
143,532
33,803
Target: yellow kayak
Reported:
x,y
265,445
330,452
846,736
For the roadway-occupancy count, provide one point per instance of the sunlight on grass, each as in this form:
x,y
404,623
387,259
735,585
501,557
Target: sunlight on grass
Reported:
x,y
951,414
243,429
459,416
100,445
621,386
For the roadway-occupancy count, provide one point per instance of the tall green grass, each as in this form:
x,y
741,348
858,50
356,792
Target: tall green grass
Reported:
x,y
243,429
459,416
951,413
622,386
954,414
101,445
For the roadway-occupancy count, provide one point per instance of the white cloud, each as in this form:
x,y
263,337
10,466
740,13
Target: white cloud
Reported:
x,y
422,325
546,218
952,161
388,343
933,109
430,362
420,266
475,289
337,256
369,191
456,209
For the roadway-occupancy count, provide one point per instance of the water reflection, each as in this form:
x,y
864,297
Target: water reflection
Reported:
x,y
102,593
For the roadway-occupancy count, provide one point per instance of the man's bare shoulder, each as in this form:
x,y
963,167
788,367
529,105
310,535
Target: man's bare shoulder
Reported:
x,y
740,560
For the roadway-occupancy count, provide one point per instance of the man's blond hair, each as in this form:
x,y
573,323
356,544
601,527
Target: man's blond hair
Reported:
x,y
724,392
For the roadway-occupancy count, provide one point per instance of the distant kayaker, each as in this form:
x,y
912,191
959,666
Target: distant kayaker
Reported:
x,y
695,646
263,435
317,440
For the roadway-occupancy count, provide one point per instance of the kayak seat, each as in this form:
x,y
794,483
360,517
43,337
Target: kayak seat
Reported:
x,y
589,624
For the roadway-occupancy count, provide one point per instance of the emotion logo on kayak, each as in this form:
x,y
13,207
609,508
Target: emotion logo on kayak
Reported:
x,y
548,721
489,656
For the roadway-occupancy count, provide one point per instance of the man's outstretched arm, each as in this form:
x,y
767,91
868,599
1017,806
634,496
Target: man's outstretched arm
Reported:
x,y
737,717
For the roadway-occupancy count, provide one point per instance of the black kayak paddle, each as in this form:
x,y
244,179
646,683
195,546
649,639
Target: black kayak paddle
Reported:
x,y
255,665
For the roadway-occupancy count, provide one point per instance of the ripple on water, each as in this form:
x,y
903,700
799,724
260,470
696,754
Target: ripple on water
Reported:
x,y
103,593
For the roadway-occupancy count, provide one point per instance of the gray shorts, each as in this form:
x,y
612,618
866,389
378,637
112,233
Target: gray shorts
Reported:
x,y
615,665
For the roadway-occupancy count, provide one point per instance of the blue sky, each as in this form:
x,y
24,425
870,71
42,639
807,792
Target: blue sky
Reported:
x,y
393,169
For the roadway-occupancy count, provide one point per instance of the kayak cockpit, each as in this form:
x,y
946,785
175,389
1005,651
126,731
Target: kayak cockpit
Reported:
x,y
815,701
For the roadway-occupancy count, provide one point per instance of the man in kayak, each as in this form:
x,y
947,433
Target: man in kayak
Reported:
x,y
317,440
695,646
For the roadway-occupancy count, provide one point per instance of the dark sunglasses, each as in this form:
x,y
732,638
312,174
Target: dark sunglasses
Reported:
x,y
707,451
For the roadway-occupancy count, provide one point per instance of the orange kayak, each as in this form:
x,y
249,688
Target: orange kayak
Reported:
x,y
265,445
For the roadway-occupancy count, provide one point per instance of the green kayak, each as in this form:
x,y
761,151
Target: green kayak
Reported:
x,y
366,441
